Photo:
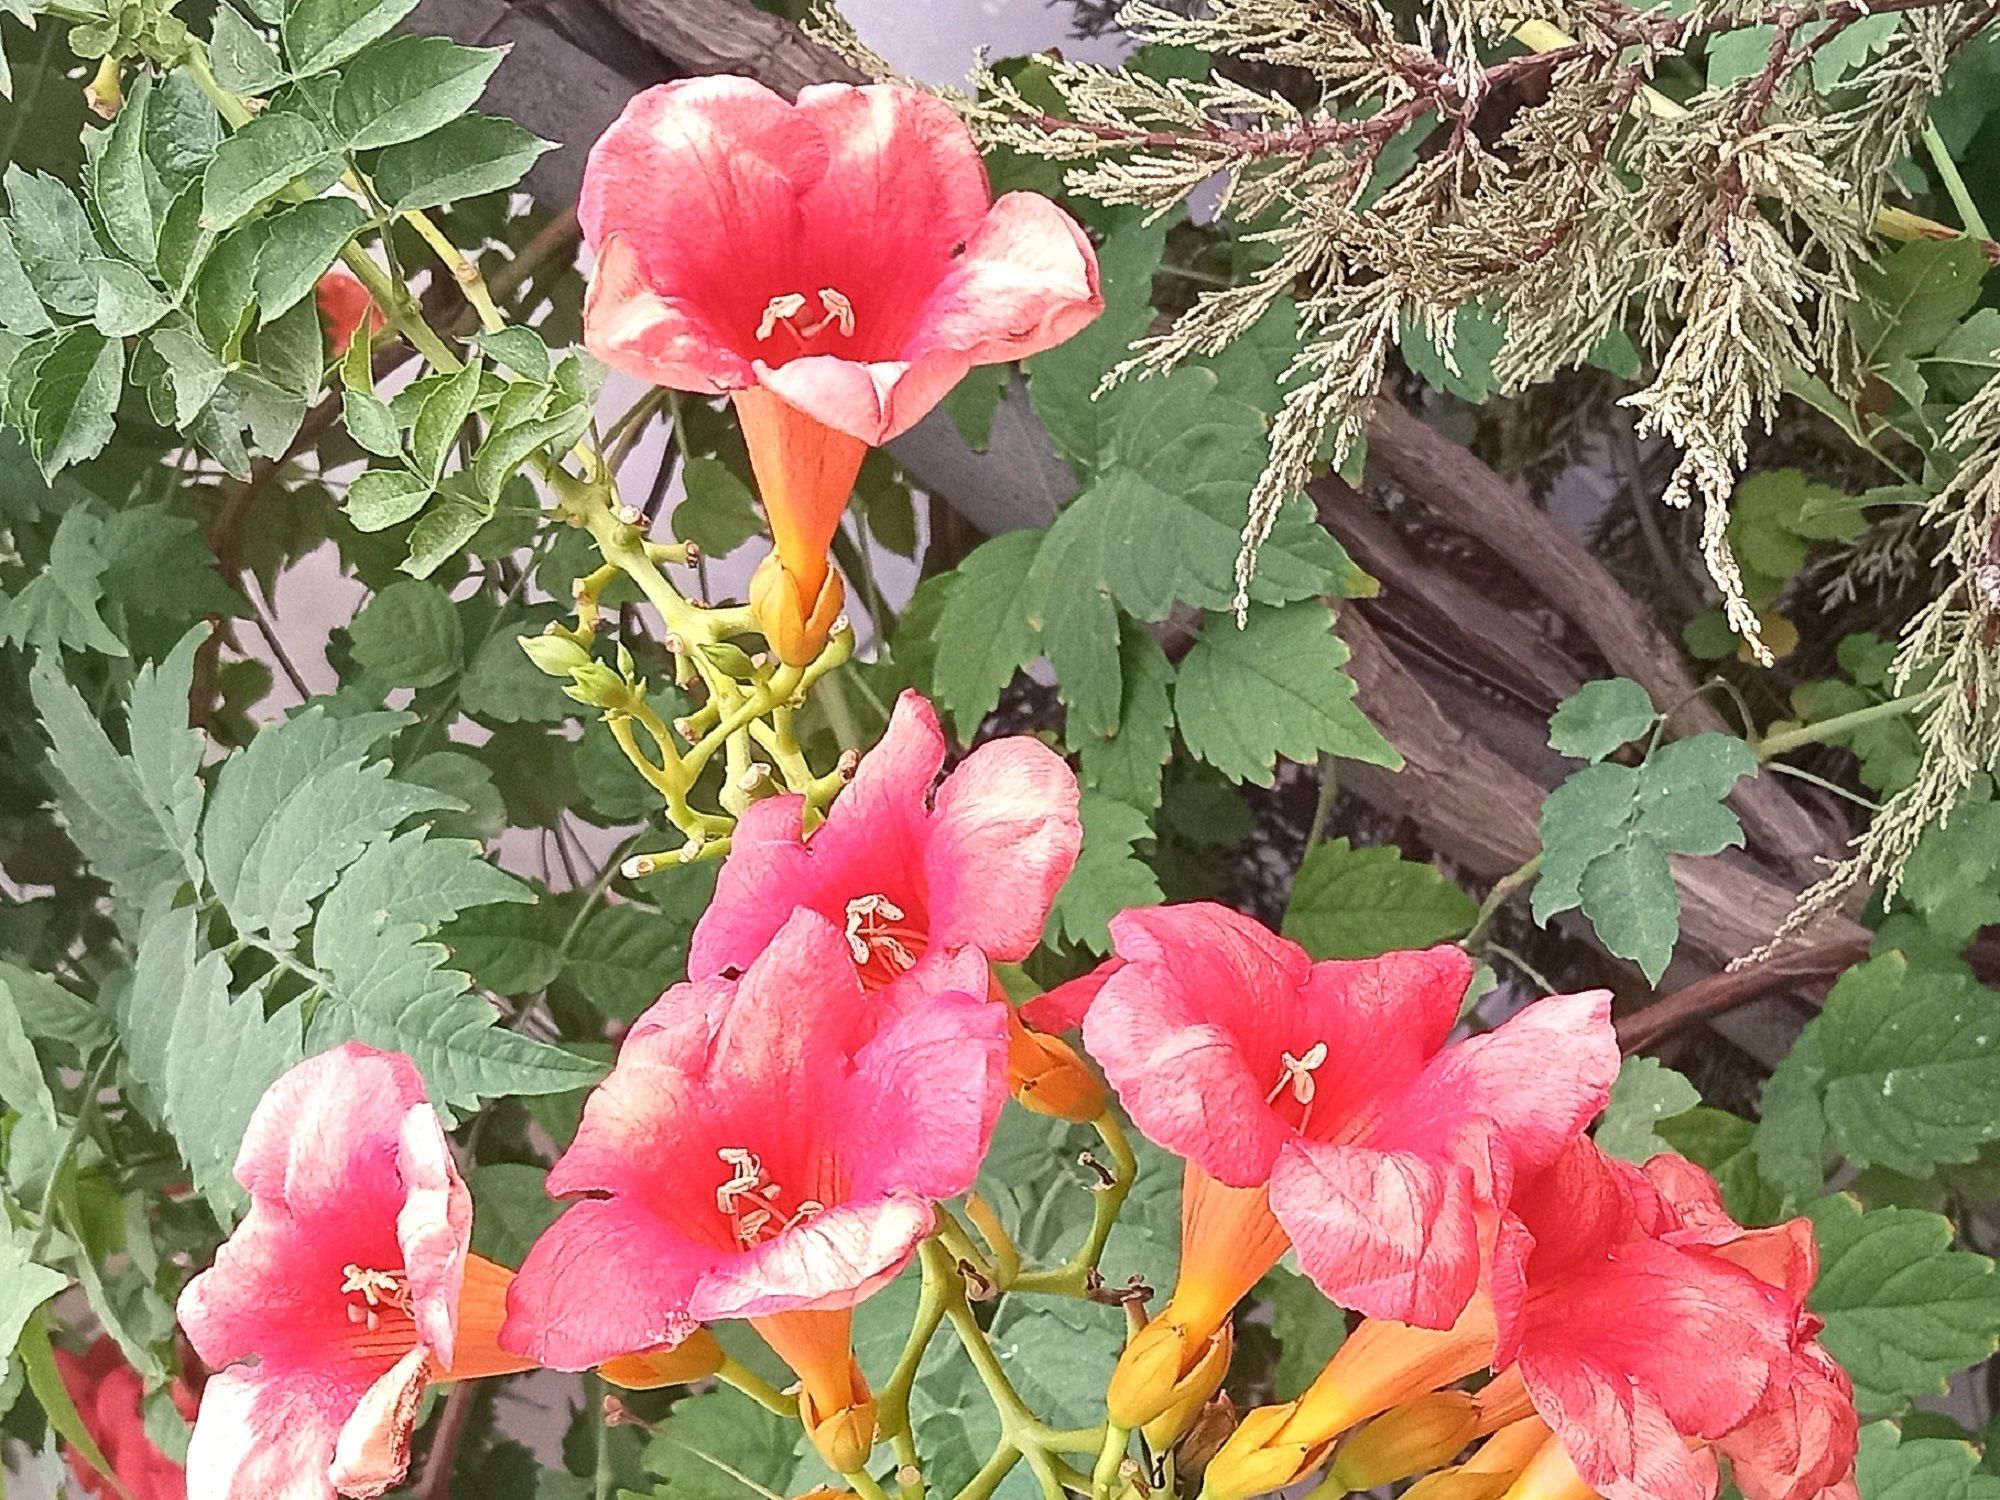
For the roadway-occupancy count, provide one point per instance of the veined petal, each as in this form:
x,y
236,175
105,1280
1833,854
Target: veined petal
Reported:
x,y
662,340
834,1259
258,1437
1027,282
372,1453
1004,837
434,1229
607,1278
927,1092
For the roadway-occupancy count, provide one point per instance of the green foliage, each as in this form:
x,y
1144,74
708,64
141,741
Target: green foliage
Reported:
x,y
1644,1096
1356,903
1608,830
1903,1309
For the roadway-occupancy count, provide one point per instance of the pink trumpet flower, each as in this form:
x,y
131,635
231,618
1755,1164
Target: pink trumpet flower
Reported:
x,y
767,1148
916,874
1320,1107
346,1290
835,266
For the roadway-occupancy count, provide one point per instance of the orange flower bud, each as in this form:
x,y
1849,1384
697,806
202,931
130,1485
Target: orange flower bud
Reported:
x,y
1047,1075
1407,1440
797,632
1148,1378
846,1436
695,1358
1193,1390
1262,1455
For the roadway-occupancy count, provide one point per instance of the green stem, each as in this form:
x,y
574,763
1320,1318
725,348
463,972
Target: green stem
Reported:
x,y
602,1477
470,283
1819,733
892,1404
1018,1425
45,1219
1110,1459
1072,1279
1954,184
1503,891
756,1387
863,1484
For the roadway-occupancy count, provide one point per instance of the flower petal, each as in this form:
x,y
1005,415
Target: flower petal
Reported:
x,y
261,1438
831,1260
1028,281
372,1453
662,340
434,1229
874,401
607,1278
1064,1007
925,1096
1004,838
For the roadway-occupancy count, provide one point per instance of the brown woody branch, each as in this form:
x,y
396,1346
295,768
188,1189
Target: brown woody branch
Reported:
x,y
1718,994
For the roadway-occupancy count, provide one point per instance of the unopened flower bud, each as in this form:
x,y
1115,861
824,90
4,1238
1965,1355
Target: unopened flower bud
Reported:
x,y
1406,1440
597,685
1458,1484
1159,1371
556,655
1261,1456
105,94
844,1438
796,628
1192,1393
695,1357
1047,1076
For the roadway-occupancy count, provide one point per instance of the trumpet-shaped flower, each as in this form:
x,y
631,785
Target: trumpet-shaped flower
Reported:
x,y
345,309
347,1288
1320,1104
916,881
834,265
1651,1326
766,1148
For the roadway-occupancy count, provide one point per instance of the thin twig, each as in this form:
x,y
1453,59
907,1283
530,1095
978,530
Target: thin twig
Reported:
x,y
443,1457
1708,998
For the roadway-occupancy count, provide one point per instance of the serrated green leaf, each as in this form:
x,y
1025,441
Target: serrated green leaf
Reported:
x,y
21,310
258,162
60,606
1912,298
134,819
1903,1309
719,1445
1274,688
389,987
1109,876
1601,716
519,349
408,635
382,498
67,404
503,685
1309,1329
514,1209
1645,1094
300,243
1892,1466
123,185
474,154
983,632
440,418
464,779
24,1286
1629,895
719,514
243,61
618,955
320,33
52,237
1068,602
442,530
1357,903
1128,765
374,427
127,302
407,87
51,1013
294,809
506,449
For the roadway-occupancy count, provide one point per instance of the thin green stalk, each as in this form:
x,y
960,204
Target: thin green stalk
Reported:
x,y
892,1403
1816,734
863,1484
1503,891
739,1377
1954,184
1072,1279
45,1218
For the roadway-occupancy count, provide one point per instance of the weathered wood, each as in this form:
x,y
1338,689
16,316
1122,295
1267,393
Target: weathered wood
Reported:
x,y
732,36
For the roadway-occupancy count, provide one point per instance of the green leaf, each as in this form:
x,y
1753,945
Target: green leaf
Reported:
x,y
983,633
294,809
389,987
321,33
473,154
618,955
507,448
1967,357
24,1286
1357,903
407,87
1911,299
1891,1466
258,162
1903,1309
503,685
127,302
1275,687
60,605
133,818
64,403
1646,1093
443,529
382,498
52,1013
21,310
243,61
51,234
514,1209
300,243
1601,716
123,185
440,418
408,635
1128,765
719,514
1607,832
1309,1329
208,1058
1908,1066
1109,876
720,1445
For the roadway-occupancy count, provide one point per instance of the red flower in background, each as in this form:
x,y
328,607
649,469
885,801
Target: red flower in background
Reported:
x,y
836,266
108,1396
344,305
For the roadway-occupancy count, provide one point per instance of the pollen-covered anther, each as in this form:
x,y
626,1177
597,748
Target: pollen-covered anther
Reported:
x,y
1296,1073
780,310
870,931
377,1290
838,310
